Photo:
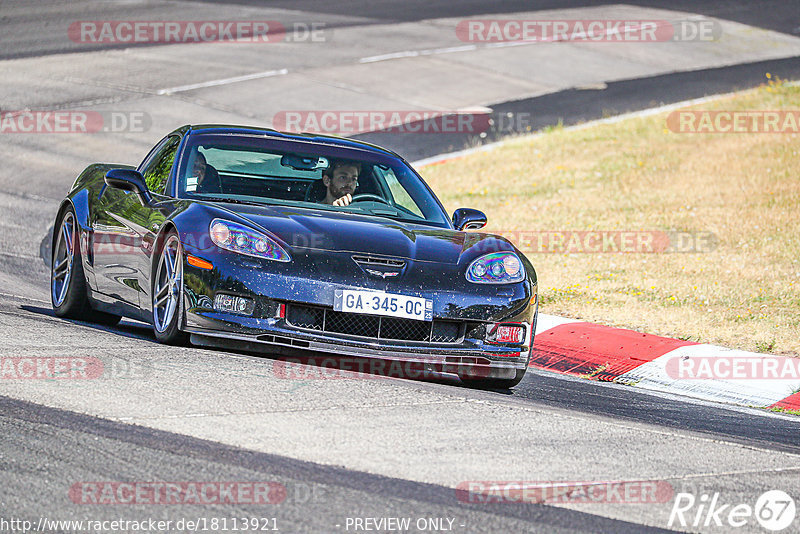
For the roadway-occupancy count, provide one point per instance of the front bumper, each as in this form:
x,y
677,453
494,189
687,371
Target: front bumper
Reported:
x,y
263,329
470,357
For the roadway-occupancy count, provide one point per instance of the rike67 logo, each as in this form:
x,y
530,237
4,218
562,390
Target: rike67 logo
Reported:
x,y
775,511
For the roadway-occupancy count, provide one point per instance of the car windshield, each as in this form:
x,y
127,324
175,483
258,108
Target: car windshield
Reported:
x,y
255,169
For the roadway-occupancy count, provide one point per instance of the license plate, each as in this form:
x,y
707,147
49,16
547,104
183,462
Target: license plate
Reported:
x,y
380,303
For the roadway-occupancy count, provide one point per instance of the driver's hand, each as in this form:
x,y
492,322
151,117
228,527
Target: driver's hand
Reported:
x,y
343,201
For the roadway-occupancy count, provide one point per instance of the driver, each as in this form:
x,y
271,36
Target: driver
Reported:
x,y
341,180
203,178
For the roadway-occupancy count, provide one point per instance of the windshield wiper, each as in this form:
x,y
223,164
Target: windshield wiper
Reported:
x,y
383,215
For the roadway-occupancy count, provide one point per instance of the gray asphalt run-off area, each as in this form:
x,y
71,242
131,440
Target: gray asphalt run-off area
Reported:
x,y
354,447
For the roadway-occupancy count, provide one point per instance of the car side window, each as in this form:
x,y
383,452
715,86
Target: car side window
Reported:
x,y
157,168
401,196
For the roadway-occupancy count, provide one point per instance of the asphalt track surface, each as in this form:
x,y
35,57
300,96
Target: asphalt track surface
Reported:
x,y
318,498
579,105
29,35
49,444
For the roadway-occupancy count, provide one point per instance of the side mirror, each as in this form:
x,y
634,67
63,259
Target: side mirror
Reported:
x,y
129,180
468,219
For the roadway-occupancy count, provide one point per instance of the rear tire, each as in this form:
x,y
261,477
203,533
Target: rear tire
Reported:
x,y
167,292
68,292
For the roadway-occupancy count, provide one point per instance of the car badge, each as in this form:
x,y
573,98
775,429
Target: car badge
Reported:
x,y
384,275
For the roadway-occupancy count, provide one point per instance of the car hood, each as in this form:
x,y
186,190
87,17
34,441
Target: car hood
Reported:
x,y
329,230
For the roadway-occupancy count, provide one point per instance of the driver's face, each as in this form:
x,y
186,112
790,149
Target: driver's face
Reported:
x,y
199,167
343,181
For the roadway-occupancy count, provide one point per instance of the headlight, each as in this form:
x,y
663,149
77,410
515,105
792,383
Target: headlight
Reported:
x,y
239,238
496,268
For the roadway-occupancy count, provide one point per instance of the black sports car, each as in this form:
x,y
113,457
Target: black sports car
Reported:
x,y
238,237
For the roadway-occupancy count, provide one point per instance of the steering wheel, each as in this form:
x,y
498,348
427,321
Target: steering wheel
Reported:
x,y
369,196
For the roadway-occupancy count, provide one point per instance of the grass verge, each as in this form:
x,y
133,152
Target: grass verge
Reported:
x,y
785,410
741,290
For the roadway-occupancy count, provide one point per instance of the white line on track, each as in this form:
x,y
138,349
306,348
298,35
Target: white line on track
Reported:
x,y
415,53
314,408
468,48
666,478
20,297
223,81
20,256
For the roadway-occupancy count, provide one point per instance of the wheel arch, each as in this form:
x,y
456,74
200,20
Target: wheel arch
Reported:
x,y
62,208
166,228
179,337
79,203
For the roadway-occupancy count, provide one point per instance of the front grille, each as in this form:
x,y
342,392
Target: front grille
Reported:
x,y
379,262
351,324
306,317
408,329
444,331
369,326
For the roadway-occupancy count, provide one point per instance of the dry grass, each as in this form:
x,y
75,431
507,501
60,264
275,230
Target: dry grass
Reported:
x,y
637,175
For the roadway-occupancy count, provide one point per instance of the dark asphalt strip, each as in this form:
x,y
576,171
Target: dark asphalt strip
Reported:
x,y
541,389
750,427
109,448
574,106
45,33
776,15
618,402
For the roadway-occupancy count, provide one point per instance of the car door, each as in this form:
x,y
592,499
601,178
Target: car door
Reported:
x,y
124,230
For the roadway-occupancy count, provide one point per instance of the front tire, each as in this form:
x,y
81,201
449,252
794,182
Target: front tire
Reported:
x,y
68,291
495,383
167,292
